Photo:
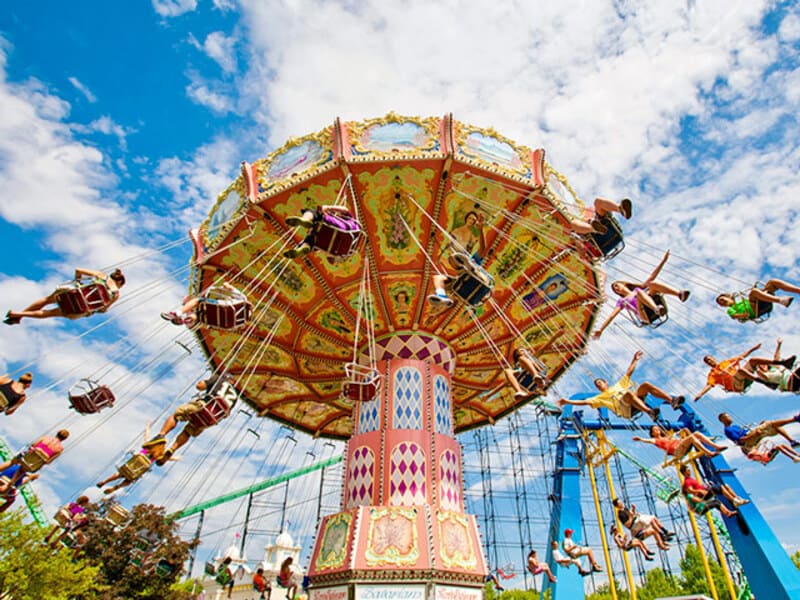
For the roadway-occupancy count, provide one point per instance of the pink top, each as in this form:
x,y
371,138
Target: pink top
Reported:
x,y
75,509
51,446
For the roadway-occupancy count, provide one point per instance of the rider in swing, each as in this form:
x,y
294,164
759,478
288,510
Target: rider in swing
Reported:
x,y
442,282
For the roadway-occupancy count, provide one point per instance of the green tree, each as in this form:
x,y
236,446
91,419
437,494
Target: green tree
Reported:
x,y
796,559
658,585
112,548
694,575
30,570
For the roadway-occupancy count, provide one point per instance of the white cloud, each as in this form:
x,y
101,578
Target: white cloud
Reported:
x,y
224,5
789,30
107,126
87,93
203,95
174,8
222,50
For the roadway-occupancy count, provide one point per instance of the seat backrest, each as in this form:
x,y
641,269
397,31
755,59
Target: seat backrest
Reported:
x,y
117,514
34,459
225,314
93,400
82,298
336,240
610,243
136,466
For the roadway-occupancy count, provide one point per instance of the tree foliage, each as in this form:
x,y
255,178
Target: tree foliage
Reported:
x,y
658,585
112,548
694,574
30,570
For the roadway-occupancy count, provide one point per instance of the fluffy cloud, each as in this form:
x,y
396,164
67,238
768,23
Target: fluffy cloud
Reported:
x,y
174,8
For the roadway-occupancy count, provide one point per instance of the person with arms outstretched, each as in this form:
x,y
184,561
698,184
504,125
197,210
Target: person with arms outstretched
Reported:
x,y
641,300
625,397
679,444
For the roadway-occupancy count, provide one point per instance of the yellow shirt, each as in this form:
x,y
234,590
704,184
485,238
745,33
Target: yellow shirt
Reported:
x,y
611,397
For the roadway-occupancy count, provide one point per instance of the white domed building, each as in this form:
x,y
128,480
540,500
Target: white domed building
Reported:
x,y
274,555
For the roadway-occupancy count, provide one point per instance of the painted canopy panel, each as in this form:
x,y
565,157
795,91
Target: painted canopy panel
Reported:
x,y
417,186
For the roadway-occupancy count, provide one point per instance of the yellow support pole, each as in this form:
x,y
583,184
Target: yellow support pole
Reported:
x,y
602,526
717,546
603,444
700,546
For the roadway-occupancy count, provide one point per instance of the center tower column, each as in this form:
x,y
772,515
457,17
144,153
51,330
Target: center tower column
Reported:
x,y
402,516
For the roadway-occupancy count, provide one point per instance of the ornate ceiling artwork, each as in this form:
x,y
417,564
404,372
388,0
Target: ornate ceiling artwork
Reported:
x,y
416,184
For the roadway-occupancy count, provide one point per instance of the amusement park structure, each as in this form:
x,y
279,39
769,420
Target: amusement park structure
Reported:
x,y
341,340
393,283
420,370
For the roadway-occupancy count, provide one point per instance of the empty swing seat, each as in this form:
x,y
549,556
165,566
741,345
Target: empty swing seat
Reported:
x,y
136,466
223,309
86,397
82,297
362,383
117,515
473,285
337,235
667,494
216,409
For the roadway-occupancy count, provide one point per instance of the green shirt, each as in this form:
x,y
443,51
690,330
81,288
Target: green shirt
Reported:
x,y
740,308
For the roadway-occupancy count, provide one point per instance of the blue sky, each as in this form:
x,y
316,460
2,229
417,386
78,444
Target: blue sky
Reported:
x,y
121,122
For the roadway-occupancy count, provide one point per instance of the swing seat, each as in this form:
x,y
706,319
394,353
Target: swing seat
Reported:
x,y
63,517
363,383
164,568
210,568
766,307
473,285
666,494
72,541
216,409
85,297
34,459
117,515
605,246
528,381
136,466
655,319
222,309
146,541
337,236
138,558
86,397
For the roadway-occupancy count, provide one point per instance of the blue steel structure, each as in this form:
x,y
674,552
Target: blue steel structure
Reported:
x,y
769,570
